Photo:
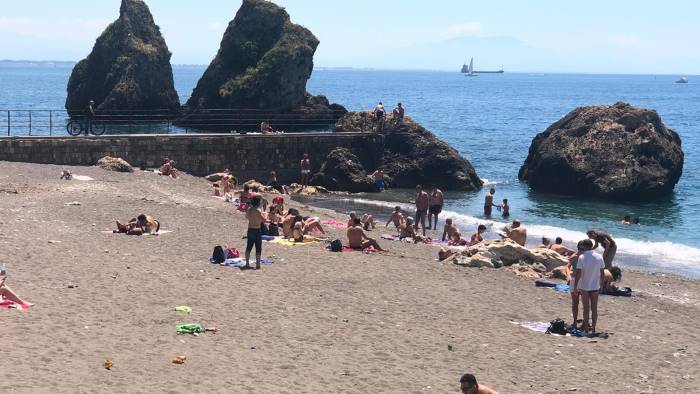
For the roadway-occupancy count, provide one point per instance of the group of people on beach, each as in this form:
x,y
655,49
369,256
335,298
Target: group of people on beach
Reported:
x,y
380,114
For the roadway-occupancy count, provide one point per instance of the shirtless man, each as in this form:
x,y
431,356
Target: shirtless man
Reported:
x,y
398,114
437,201
409,232
141,225
517,233
254,236
488,203
422,202
469,385
396,217
477,236
368,222
168,169
305,171
265,127
378,177
450,228
609,245
358,240
561,249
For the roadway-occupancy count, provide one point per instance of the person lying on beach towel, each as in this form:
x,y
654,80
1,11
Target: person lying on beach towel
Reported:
x,y
358,240
299,236
139,226
7,295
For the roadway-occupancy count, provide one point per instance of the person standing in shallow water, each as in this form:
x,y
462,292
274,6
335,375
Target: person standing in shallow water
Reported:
x,y
437,201
305,171
604,239
488,203
422,202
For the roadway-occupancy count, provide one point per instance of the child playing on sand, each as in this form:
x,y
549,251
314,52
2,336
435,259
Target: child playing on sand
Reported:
x,y
397,217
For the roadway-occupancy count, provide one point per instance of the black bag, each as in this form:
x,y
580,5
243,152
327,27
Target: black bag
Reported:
x,y
273,230
219,256
557,326
336,245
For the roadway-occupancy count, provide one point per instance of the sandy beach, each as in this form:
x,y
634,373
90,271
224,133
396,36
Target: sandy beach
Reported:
x,y
311,322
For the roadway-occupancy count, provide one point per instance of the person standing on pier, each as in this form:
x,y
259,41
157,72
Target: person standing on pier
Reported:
x,y
305,171
89,117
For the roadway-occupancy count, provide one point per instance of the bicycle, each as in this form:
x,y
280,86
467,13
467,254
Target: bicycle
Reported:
x,y
77,127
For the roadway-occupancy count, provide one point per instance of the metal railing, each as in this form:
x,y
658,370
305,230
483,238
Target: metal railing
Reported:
x,y
38,122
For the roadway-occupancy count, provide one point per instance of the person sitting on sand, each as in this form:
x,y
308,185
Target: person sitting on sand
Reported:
x,y
311,224
561,249
449,229
469,385
274,216
516,232
299,234
288,222
368,222
358,240
254,235
397,217
273,183
477,237
457,240
445,253
245,194
141,225
6,294
168,169
610,277
408,231
67,175
546,243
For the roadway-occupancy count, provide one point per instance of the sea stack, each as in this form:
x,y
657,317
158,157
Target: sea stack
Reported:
x,y
413,155
128,68
263,64
613,152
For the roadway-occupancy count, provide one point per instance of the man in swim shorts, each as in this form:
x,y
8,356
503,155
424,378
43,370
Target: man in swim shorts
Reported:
x,y
378,177
422,202
437,201
517,233
590,274
449,229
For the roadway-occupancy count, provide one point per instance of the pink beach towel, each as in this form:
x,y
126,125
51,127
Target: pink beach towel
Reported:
x,y
5,305
335,224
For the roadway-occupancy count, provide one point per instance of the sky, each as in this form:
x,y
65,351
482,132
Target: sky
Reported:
x,y
592,36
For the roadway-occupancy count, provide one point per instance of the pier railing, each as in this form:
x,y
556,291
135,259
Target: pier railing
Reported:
x,y
48,122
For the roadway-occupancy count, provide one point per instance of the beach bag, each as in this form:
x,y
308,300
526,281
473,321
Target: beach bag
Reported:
x,y
218,256
557,326
232,253
336,246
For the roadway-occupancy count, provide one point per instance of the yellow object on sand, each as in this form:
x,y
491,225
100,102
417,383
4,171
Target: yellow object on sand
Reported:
x,y
287,242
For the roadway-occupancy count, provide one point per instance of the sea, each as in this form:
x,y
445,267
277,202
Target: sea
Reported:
x,y
490,120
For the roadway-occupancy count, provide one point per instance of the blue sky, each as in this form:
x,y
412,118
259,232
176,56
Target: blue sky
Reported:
x,y
593,36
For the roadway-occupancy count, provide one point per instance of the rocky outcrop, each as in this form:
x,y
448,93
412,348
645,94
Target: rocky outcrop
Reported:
x,y
262,67
615,152
496,254
343,171
128,68
114,164
413,155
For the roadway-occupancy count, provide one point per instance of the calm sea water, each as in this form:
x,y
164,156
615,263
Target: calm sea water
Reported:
x,y
491,120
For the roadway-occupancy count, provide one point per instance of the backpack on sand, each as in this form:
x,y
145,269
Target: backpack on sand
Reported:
x,y
219,256
336,246
557,326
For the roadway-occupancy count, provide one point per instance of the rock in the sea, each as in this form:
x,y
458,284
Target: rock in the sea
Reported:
x,y
413,155
263,63
128,68
616,152
506,252
114,164
342,171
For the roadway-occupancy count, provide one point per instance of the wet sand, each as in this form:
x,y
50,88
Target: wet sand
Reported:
x,y
311,322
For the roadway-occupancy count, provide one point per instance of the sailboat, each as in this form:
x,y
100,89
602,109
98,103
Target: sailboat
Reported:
x,y
682,80
470,69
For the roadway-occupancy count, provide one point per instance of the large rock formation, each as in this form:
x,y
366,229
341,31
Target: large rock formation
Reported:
x,y
263,64
343,171
413,155
128,68
617,152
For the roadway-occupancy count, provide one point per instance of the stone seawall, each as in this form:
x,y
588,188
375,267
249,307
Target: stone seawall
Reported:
x,y
247,156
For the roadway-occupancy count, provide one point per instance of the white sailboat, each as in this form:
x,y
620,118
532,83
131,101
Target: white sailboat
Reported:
x,y
470,70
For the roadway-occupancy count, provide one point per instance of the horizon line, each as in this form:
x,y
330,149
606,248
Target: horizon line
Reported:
x,y
349,68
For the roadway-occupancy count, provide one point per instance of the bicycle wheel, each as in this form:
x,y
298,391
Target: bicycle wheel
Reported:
x,y
98,128
74,128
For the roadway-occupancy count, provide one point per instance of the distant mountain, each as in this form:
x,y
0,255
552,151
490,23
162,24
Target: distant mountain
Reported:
x,y
37,63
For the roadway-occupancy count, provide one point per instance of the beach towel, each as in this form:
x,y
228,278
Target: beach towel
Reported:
x,y
286,242
191,328
335,224
560,287
161,232
542,327
269,238
83,178
5,305
371,249
240,262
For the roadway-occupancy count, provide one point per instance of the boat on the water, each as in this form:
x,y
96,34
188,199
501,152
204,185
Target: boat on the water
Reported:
x,y
469,71
682,80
